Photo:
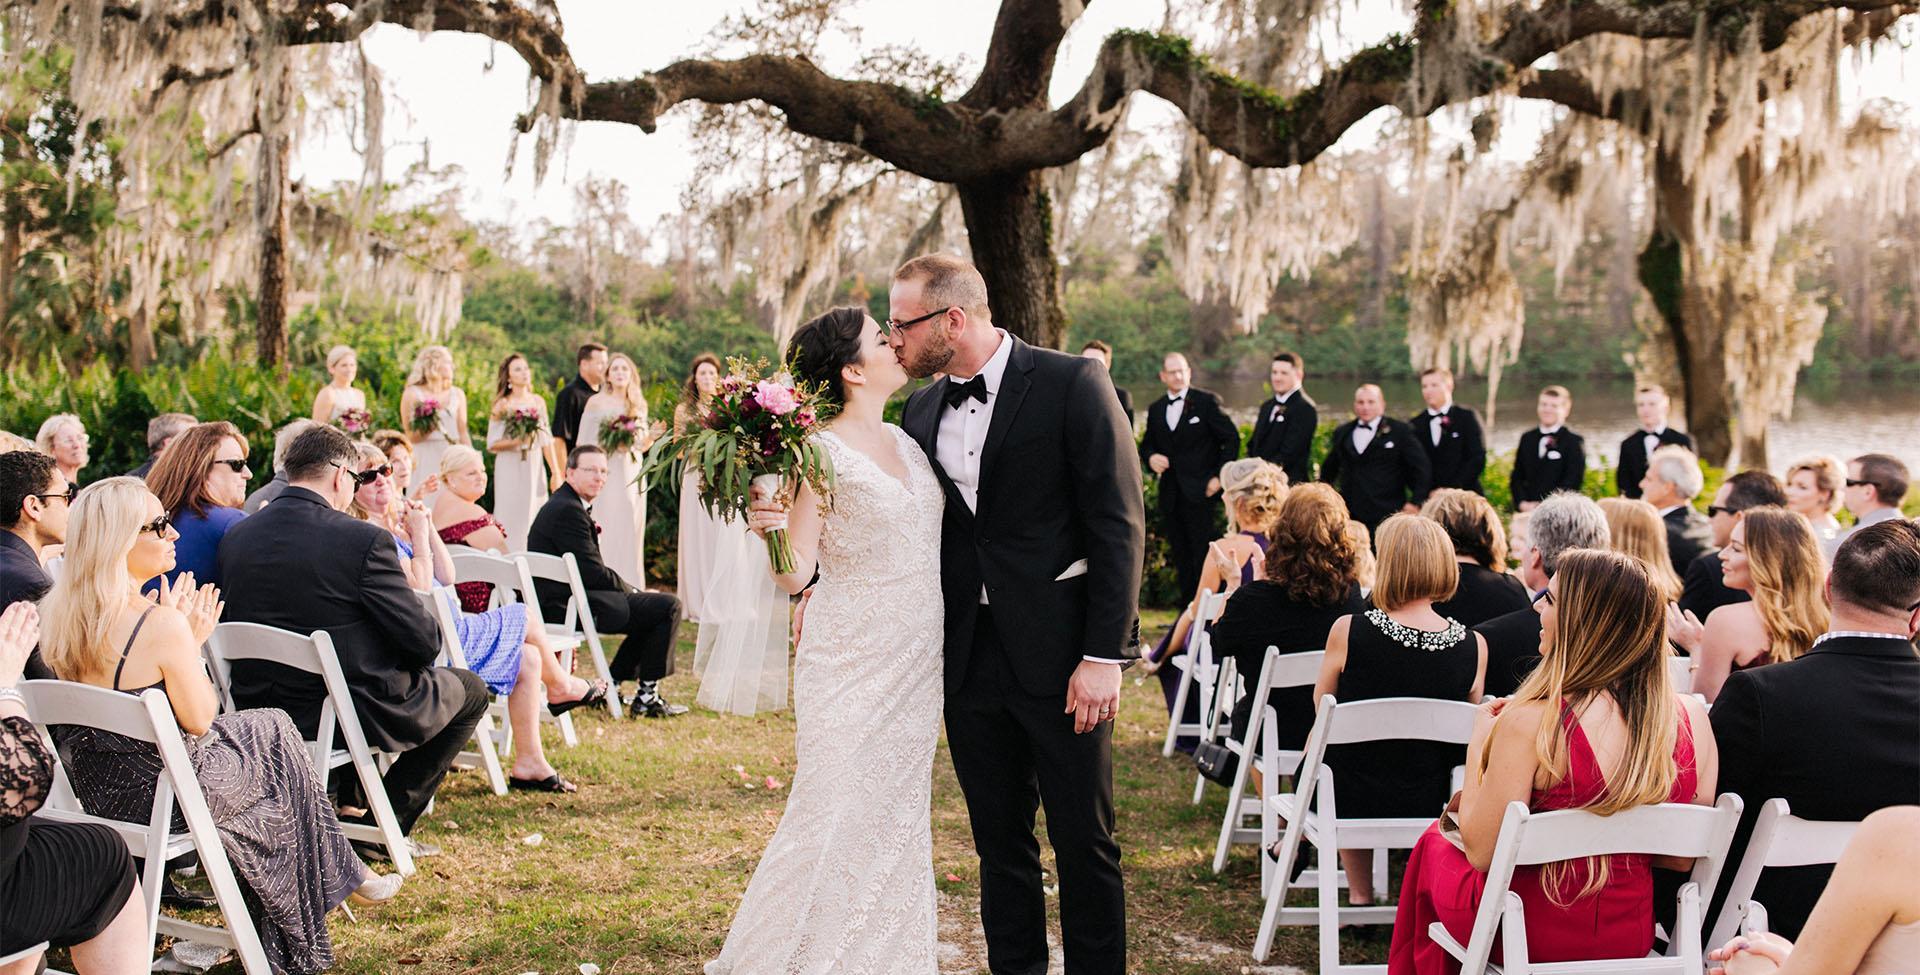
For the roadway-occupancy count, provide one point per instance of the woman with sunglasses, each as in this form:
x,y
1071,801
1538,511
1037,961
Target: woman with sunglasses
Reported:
x,y
275,822
201,481
511,657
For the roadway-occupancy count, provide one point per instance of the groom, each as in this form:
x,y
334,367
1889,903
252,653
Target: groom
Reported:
x,y
1040,571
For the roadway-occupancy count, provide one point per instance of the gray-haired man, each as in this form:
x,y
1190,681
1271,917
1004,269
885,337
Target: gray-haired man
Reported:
x,y
1562,522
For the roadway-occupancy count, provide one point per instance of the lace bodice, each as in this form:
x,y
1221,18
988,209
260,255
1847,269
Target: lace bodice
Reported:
x,y
878,527
26,770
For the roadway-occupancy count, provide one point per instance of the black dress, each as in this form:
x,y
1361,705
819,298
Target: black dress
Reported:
x,y
1379,779
59,882
1261,615
1482,595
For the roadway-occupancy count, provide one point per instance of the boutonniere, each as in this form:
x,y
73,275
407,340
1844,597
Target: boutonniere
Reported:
x,y
1445,421
1547,441
596,528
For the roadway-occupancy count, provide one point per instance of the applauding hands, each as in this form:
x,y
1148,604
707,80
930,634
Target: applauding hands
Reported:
x,y
202,606
19,632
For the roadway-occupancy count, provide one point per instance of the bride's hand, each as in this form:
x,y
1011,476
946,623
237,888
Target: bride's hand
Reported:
x,y
767,513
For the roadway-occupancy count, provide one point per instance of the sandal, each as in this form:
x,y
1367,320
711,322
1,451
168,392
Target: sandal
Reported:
x,y
596,694
552,783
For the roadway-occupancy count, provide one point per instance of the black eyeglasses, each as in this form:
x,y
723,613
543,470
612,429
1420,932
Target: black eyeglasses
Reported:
x,y
1546,596
237,465
67,495
157,527
890,326
363,478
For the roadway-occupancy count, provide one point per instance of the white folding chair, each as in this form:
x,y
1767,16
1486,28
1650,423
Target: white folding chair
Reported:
x,y
487,739
1198,673
23,954
149,718
1779,839
576,628
1312,815
1680,673
513,582
1279,670
1527,839
313,654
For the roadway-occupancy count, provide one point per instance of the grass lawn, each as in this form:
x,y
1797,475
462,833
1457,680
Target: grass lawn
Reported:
x,y
640,871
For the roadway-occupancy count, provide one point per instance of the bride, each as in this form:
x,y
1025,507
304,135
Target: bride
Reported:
x,y
846,884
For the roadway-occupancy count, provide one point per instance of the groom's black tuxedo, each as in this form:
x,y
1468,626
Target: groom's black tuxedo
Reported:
x,y
1057,484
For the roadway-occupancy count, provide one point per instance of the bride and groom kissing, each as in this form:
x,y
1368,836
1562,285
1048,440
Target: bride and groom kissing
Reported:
x,y
982,563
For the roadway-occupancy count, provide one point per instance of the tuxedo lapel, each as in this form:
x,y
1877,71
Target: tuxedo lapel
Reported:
x,y
1013,389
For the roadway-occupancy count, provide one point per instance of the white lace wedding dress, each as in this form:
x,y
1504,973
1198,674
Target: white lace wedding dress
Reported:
x,y
846,885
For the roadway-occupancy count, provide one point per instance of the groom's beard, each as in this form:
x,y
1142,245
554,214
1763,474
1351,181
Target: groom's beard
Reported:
x,y
932,358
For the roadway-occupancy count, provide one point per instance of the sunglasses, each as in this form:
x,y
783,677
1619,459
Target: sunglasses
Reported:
x,y
890,326
158,526
1546,596
67,495
1714,509
363,478
1853,483
238,465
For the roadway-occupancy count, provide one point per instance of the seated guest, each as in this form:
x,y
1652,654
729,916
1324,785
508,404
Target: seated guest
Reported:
x,y
281,441
33,516
1517,540
1563,522
1399,648
1376,462
1308,583
160,432
1486,588
1813,492
1832,732
1598,726
1867,921
399,451
302,564
1651,404
1635,529
202,481
1550,457
651,620
1363,561
68,884
10,442
464,474
64,438
1702,590
1456,447
512,657
1876,484
1672,481
275,822
1774,558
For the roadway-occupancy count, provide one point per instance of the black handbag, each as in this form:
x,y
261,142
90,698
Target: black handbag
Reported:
x,y
1216,761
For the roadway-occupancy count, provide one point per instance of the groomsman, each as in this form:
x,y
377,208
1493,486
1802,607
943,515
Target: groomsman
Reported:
x,y
1652,404
590,368
1187,439
1102,353
1551,457
1283,429
1376,462
1456,447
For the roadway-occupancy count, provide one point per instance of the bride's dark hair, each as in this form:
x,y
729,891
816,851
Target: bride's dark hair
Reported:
x,y
825,345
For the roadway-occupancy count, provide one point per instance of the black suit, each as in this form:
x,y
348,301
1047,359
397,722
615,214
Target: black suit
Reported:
x,y
1057,484
1702,588
1390,474
1126,402
1562,466
300,565
23,580
1201,442
1513,650
1634,457
1461,454
1283,434
1836,733
145,468
568,407
651,620
1689,533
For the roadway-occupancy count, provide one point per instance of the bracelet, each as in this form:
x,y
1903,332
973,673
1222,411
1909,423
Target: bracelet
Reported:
x,y
13,694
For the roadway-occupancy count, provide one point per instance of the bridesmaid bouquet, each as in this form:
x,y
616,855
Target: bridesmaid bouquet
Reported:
x,y
620,434
425,418
353,422
756,434
522,423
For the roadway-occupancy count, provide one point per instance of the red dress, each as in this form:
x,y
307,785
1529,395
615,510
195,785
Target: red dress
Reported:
x,y
475,597
1615,922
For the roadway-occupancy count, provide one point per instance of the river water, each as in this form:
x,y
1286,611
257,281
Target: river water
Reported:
x,y
1844,419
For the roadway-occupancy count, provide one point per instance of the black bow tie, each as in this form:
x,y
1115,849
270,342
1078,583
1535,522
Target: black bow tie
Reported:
x,y
1364,425
958,393
1175,399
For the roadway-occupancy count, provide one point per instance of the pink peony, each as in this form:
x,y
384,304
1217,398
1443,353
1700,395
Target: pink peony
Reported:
x,y
805,417
777,399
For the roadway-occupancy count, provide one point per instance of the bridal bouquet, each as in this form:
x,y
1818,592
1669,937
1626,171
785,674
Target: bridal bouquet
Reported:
x,y
353,422
521,423
426,417
620,434
755,435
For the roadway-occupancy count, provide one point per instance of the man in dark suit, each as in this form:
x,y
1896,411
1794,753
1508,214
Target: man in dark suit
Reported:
x,y
651,620
1671,482
590,367
1702,589
1651,403
1834,732
34,497
1040,563
160,432
265,493
1186,440
1283,428
1102,353
1456,448
1550,457
1563,522
302,564
1375,462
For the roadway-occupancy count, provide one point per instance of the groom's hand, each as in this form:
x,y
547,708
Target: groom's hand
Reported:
x,y
1093,695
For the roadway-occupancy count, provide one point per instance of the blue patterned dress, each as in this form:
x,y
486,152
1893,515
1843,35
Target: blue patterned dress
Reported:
x,y
491,640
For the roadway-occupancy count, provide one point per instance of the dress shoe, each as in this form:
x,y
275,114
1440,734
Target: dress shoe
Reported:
x,y
655,706
378,888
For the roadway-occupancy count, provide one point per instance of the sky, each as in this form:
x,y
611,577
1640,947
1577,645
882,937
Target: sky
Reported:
x,y
459,94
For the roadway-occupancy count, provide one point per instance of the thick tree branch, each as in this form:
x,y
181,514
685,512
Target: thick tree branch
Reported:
x,y
1020,57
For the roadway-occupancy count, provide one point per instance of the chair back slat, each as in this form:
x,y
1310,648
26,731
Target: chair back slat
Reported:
x,y
1666,829
1399,718
54,702
556,568
1294,669
1779,839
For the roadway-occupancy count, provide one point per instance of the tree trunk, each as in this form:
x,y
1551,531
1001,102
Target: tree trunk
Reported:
x,y
270,336
140,339
1010,227
1685,309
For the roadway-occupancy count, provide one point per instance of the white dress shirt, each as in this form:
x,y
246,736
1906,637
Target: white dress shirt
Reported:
x,y
1544,434
1176,405
1279,401
1651,439
1433,421
1363,434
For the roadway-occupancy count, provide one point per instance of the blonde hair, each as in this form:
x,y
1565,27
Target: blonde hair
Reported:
x,y
10,442
1415,562
51,428
1611,639
458,458
1253,490
1365,566
1828,475
78,614
1634,529
338,352
366,453
1783,560
635,399
427,357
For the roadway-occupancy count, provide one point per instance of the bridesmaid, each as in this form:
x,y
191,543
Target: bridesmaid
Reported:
x,y
620,511
700,532
519,464
432,381
339,395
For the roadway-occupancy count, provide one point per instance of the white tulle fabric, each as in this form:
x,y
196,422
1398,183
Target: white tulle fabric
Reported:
x,y
620,509
846,885
740,651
